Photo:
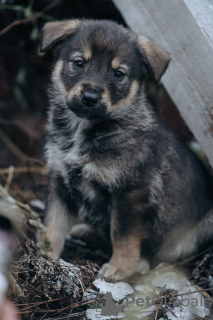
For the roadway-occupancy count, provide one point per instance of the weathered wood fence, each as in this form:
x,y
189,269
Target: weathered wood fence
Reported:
x,y
185,29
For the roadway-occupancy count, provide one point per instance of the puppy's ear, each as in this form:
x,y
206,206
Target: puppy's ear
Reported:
x,y
54,31
155,58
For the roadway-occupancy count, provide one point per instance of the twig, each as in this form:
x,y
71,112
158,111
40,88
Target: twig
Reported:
x,y
78,314
23,9
193,257
10,177
18,170
42,163
204,292
14,286
6,140
32,217
28,211
29,19
190,292
18,125
184,261
156,315
33,304
15,150
12,7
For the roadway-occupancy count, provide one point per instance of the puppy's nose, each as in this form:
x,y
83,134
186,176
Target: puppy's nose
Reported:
x,y
90,99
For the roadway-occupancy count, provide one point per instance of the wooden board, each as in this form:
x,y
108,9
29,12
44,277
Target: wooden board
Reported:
x,y
185,29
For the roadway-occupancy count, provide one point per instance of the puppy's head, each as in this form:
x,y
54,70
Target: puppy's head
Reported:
x,y
101,66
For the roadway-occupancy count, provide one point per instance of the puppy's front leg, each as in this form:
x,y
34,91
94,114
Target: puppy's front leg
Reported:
x,y
126,236
58,224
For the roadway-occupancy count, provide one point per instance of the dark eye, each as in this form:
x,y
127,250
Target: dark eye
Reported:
x,y
79,63
119,74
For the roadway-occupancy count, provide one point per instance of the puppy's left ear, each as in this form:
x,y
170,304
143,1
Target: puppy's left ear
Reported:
x,y
54,31
155,58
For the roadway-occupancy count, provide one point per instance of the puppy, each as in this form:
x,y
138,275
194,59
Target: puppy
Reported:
x,y
113,167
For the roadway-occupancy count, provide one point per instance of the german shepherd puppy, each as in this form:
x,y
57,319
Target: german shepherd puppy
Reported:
x,y
113,167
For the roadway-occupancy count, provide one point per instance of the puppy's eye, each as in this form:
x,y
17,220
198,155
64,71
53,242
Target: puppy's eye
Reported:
x,y
79,63
119,74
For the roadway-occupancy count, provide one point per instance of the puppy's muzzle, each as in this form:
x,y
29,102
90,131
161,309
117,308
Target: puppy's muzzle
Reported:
x,y
91,94
90,99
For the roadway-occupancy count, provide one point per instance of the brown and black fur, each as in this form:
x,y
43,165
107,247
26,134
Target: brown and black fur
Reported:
x,y
114,169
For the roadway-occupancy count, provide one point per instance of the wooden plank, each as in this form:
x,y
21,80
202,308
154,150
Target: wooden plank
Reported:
x,y
203,13
182,28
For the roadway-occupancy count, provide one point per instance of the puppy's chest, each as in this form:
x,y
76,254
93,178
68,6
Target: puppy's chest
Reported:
x,y
81,178
74,163
90,161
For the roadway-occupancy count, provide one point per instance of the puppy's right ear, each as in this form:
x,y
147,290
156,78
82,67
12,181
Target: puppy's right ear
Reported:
x,y
54,31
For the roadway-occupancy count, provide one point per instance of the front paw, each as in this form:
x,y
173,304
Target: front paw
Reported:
x,y
143,266
53,255
83,231
112,273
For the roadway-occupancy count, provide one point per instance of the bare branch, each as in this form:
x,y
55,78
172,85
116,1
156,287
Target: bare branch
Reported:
x,y
29,19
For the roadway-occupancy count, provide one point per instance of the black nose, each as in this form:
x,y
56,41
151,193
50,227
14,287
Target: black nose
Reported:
x,y
90,99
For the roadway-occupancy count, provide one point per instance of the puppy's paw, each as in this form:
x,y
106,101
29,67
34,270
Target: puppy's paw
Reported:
x,y
112,273
53,255
82,231
143,266
107,270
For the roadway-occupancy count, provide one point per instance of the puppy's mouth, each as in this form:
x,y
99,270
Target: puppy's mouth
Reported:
x,y
88,107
